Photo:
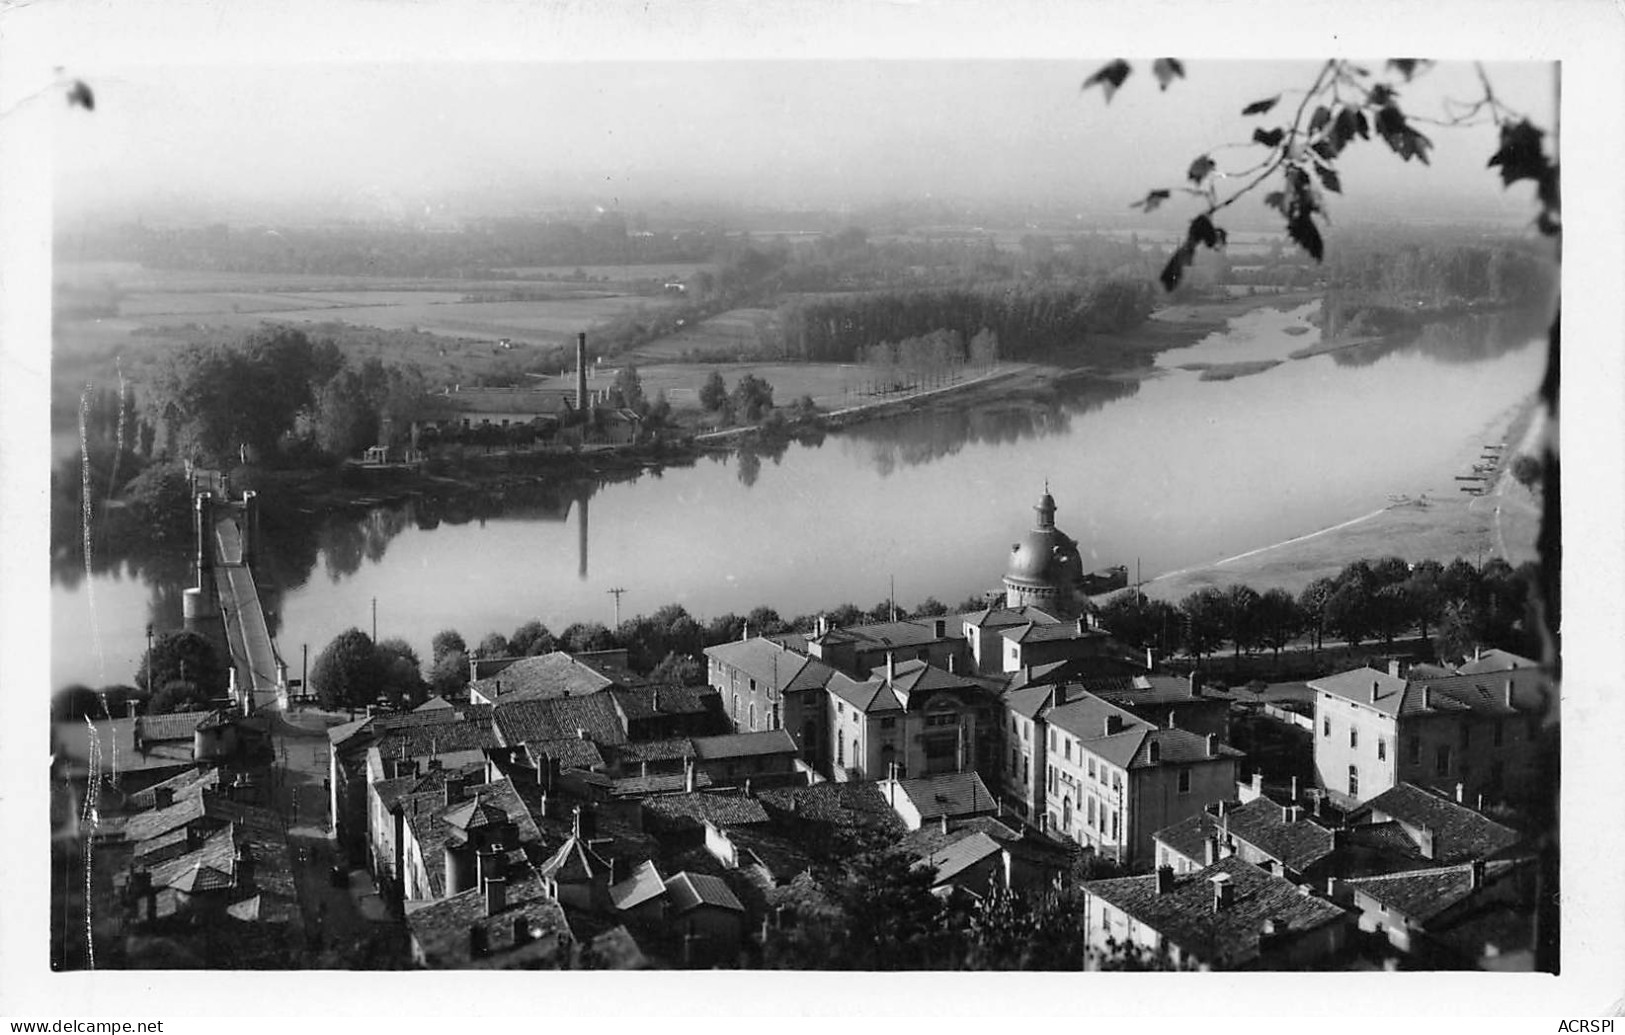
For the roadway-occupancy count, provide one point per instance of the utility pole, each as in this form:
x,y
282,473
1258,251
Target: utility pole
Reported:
x,y
374,619
616,593
304,669
891,596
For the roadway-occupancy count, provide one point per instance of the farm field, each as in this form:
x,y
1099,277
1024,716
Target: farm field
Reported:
x,y
737,332
635,271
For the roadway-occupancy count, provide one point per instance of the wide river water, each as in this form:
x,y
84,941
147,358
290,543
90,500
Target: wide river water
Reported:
x,y
1163,473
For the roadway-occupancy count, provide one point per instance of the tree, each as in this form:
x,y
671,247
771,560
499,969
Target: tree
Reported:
x,y
1280,620
626,391
930,607
752,396
1426,596
186,658
764,621
531,639
446,641
679,670
714,392
1204,618
495,645
449,677
1241,617
1312,603
179,695
724,628
1391,611
347,673
1349,612
585,637
401,674
891,917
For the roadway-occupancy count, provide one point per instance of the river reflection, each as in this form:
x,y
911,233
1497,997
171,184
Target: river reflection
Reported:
x,y
1170,471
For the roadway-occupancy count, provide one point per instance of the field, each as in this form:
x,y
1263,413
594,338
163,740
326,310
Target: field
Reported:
x,y
735,333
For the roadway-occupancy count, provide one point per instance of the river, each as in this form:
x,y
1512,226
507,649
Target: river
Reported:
x,y
1156,474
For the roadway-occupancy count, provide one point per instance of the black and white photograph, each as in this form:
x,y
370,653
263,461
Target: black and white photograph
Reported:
x,y
699,487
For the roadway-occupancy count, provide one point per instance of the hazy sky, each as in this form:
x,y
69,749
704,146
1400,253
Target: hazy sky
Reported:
x,y
814,132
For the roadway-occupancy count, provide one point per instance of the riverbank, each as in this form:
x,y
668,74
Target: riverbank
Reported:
x,y
1501,523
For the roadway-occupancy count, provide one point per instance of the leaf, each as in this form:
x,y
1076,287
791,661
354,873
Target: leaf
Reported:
x,y
1260,107
1408,67
1318,120
1276,199
79,94
1109,77
1200,168
1325,149
1202,231
1380,95
1301,228
1328,179
1520,156
1360,125
1152,200
1167,70
1270,137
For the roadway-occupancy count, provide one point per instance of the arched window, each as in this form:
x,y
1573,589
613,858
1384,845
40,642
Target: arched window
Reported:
x,y
1354,781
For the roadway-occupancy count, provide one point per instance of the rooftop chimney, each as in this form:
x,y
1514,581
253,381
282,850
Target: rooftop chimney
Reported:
x,y
953,664
1258,775
943,821
581,371
496,895
1080,626
1224,892
1148,662
891,667
1476,872
688,775
1165,880
1210,850
1461,794
1427,697
1212,745
1509,693
1172,724
1376,691
575,821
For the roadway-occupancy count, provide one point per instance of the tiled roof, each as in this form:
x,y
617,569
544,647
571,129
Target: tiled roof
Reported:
x,y
644,884
430,739
869,697
745,745
173,726
691,890
557,718
1027,702
209,868
781,857
1189,836
851,804
950,794
1131,747
571,752
617,949
1142,690
1459,833
656,783
392,792
1262,824
433,704
1495,660
543,677
1424,894
432,830
651,702
1229,937
574,862
109,744
913,677
772,664
1050,632
444,929
193,781
147,825
719,808
675,749
960,854
1000,617
1485,693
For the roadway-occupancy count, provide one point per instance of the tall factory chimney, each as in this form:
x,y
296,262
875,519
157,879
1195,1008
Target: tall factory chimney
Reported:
x,y
581,372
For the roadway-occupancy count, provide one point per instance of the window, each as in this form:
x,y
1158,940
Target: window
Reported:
x,y
1415,750
1012,760
1091,767
1026,733
942,719
1091,813
1500,732
1012,725
1354,737
1024,771
1052,781
751,710
840,709
1052,740
1117,780
1184,781
1066,813
1326,727
1382,748
1354,781
840,748
1441,760
887,724
1105,919
1114,826
1066,748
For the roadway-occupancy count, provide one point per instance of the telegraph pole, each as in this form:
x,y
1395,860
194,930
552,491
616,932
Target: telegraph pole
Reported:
x,y
374,619
616,593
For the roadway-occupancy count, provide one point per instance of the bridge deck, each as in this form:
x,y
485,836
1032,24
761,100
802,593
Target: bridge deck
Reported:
x,y
252,651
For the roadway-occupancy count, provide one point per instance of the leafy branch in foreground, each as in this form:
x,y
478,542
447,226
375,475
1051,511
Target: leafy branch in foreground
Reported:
x,y
1346,103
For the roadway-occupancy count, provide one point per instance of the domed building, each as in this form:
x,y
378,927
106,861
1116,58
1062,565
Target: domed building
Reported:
x,y
1045,568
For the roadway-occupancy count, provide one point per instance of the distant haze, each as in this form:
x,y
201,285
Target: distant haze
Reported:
x,y
404,140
